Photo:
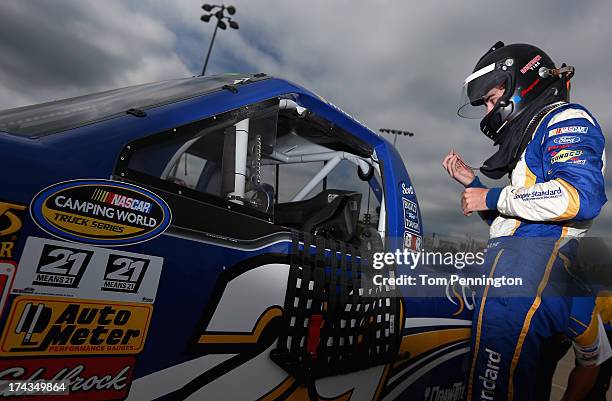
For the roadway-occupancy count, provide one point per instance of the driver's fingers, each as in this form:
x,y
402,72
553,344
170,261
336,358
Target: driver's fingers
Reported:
x,y
461,162
453,166
464,209
464,204
446,164
446,160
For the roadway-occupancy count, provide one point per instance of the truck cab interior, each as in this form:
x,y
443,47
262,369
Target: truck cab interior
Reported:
x,y
280,161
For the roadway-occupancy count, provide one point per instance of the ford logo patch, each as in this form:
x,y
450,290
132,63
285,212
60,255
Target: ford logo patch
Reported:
x,y
563,140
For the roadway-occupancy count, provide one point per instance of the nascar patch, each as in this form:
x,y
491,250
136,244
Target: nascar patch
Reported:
x,y
565,155
574,129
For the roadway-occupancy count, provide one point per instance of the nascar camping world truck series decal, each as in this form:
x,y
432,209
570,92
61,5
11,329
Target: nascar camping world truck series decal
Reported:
x,y
54,326
100,212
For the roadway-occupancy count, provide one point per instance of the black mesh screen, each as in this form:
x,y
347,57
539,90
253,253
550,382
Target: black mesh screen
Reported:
x,y
335,320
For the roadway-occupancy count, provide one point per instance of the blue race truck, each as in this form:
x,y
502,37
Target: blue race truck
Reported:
x,y
210,238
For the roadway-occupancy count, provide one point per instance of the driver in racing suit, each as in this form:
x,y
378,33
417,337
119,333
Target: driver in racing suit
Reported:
x,y
553,151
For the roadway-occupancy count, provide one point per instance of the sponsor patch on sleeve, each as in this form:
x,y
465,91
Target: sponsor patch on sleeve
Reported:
x,y
573,129
566,155
566,140
538,195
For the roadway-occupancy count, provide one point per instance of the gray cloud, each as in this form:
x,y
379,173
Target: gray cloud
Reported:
x,y
389,63
54,49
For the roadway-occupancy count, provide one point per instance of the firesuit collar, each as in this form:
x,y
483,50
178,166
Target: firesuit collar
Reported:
x,y
517,134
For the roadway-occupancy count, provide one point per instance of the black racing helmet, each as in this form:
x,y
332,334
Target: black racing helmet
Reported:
x,y
524,70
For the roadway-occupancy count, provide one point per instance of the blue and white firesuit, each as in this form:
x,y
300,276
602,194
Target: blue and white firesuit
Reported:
x,y
556,190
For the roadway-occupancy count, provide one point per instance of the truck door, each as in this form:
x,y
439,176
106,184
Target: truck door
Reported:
x,y
266,205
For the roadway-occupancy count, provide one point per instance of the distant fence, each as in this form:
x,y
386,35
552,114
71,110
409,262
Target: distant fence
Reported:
x,y
447,243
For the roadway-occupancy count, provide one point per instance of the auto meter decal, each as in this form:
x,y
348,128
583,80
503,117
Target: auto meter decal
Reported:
x,y
55,326
100,212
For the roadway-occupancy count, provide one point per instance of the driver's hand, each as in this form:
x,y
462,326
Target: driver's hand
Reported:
x,y
474,200
457,169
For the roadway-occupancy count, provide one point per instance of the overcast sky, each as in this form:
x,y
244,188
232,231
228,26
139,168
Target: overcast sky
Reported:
x,y
396,64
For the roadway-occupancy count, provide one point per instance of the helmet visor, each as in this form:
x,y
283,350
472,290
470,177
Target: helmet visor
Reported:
x,y
476,86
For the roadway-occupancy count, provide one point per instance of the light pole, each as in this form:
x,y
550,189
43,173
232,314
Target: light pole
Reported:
x,y
220,15
395,132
